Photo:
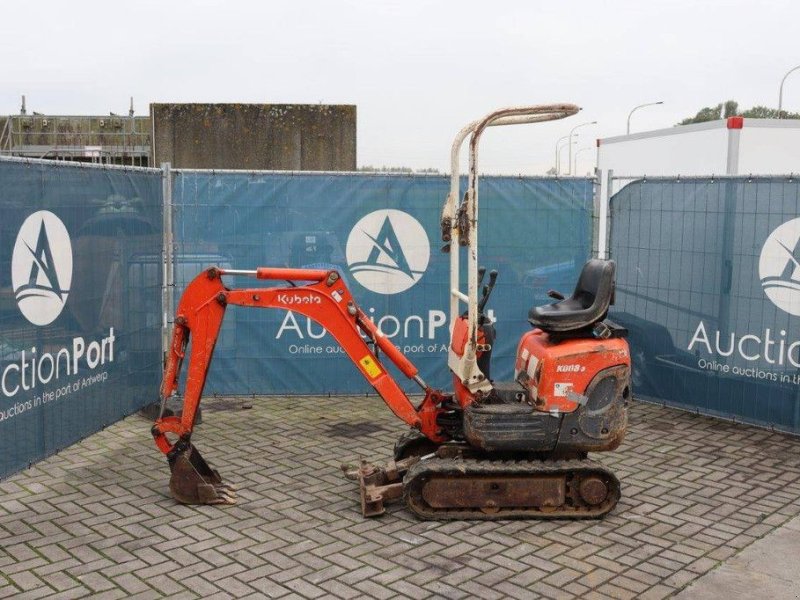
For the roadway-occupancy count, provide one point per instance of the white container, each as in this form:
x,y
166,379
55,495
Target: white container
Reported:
x,y
733,146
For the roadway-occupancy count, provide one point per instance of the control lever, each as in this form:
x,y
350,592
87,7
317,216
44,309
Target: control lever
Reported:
x,y
487,291
555,295
481,273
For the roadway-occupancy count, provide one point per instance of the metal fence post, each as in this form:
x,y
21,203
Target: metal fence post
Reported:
x,y
602,229
732,162
168,288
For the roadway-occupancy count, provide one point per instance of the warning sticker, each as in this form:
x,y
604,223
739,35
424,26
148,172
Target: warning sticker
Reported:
x,y
561,389
371,368
532,364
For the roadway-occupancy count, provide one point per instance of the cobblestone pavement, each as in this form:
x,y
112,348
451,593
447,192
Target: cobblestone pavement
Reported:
x,y
97,519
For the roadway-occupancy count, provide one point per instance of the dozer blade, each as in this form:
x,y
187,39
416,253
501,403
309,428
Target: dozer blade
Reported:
x,y
193,481
379,483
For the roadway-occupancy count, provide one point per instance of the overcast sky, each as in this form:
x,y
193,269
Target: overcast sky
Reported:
x,y
418,71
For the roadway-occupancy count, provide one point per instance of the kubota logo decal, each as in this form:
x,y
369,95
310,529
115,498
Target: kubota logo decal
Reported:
x,y
41,267
388,251
779,267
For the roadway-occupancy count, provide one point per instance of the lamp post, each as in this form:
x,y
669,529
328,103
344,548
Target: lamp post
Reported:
x,y
635,108
558,154
780,91
578,152
560,150
569,164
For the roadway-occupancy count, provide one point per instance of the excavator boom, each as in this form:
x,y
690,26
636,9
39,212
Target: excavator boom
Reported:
x,y
324,298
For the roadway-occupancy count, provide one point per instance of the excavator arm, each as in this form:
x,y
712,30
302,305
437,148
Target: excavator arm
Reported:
x,y
324,298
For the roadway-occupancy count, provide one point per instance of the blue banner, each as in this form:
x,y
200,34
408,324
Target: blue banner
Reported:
x,y
708,283
382,233
80,311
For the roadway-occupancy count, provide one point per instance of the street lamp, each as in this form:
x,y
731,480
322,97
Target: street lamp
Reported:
x,y
569,164
558,160
578,152
560,150
637,108
780,92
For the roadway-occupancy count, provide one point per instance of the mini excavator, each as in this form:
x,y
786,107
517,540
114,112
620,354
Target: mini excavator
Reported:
x,y
486,449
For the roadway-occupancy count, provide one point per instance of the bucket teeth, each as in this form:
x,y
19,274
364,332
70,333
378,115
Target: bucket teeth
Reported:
x,y
209,493
193,481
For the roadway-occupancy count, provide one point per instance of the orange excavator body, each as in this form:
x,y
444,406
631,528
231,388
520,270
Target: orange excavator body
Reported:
x,y
557,373
486,450
554,380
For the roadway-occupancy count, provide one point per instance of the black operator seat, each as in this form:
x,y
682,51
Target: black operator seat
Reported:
x,y
588,304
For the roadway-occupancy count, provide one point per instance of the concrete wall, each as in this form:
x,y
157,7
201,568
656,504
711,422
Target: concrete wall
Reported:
x,y
296,137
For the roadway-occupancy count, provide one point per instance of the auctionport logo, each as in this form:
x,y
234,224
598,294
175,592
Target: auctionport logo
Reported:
x,y
779,267
388,251
41,267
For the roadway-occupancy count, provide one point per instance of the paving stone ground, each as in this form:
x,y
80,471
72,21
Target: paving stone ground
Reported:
x,y
768,565
97,520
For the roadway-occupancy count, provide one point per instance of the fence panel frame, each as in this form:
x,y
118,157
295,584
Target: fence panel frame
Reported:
x,y
618,184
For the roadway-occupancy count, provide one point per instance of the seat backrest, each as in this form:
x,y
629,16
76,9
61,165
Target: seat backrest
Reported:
x,y
588,304
595,287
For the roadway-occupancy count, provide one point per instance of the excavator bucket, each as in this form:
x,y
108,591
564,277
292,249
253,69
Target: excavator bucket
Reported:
x,y
193,481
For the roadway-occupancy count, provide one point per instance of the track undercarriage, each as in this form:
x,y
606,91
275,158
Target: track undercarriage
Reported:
x,y
455,482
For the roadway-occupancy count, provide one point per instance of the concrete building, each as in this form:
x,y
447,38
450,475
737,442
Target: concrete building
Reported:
x,y
112,139
290,137
298,137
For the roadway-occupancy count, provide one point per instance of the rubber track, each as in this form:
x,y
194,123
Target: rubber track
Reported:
x,y
574,508
410,438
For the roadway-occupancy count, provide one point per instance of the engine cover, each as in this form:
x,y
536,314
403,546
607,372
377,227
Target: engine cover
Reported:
x,y
558,373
